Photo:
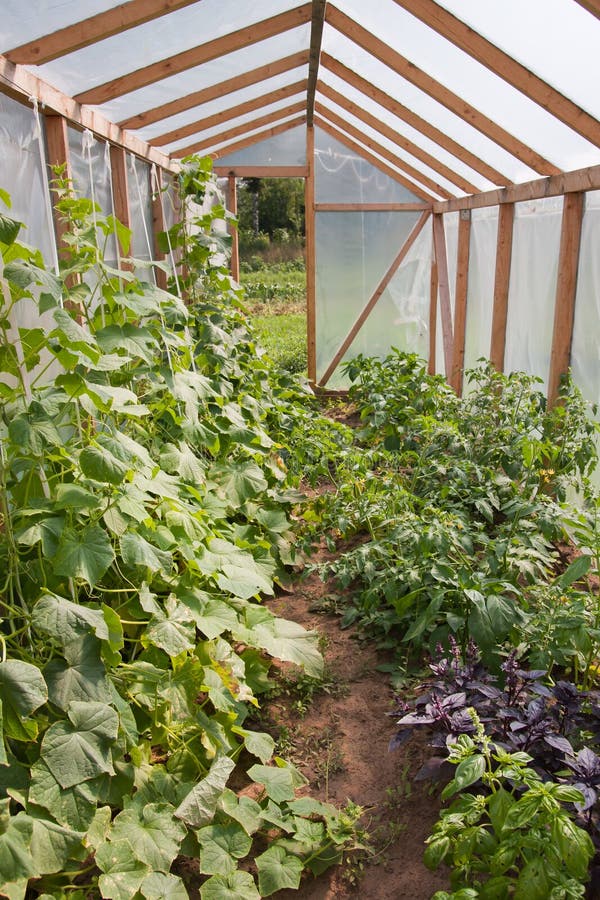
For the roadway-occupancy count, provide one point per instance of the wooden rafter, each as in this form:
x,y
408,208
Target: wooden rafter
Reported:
x,y
178,134
89,31
316,39
257,138
371,207
505,66
243,171
565,183
402,66
411,118
216,139
377,148
363,153
221,46
362,318
592,6
232,205
398,139
215,91
19,82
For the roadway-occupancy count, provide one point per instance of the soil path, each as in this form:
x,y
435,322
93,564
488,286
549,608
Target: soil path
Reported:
x,y
340,742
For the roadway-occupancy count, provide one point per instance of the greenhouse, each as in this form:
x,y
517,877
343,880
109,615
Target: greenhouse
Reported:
x,y
231,595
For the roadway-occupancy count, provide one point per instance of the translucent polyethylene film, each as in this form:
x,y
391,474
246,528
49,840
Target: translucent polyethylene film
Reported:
x,y
24,22
341,176
480,292
467,78
140,210
90,170
451,232
287,149
532,293
585,350
354,252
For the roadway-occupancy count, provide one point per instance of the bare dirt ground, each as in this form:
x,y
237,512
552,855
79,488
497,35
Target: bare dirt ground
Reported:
x,y
339,740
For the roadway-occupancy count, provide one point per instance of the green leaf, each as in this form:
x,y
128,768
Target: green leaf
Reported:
x,y
181,460
198,808
277,870
173,631
74,808
220,848
72,335
158,886
80,749
282,639
16,861
137,551
533,882
575,572
499,804
237,886
86,554
52,845
468,772
239,482
47,530
9,229
280,783
133,340
244,582
573,844
22,691
80,676
242,809
23,273
122,874
436,851
260,744
65,620
100,464
154,835
73,496
212,615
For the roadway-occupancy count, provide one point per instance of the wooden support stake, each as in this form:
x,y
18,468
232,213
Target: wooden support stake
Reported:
x,y
118,165
310,250
460,301
364,315
57,143
501,284
433,296
158,225
441,258
566,290
232,228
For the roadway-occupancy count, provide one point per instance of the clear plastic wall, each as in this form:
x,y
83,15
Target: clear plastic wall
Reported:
x,y
286,149
585,351
140,211
480,291
91,174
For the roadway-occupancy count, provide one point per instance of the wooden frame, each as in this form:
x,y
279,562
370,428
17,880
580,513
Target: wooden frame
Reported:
x,y
89,31
383,52
398,139
433,299
443,284
592,6
232,203
316,39
565,183
239,130
199,125
310,251
57,145
262,171
506,218
369,157
382,151
505,66
257,138
216,91
362,318
460,300
566,291
372,207
118,165
180,62
402,112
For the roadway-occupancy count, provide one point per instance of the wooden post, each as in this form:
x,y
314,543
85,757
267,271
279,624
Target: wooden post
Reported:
x,y
460,302
311,287
118,165
439,246
158,225
233,230
566,290
433,295
57,143
364,315
506,219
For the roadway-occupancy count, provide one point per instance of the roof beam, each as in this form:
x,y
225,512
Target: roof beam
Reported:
x,y
411,118
592,6
555,186
89,31
257,138
23,84
239,130
386,154
221,46
383,52
232,113
316,39
362,153
216,91
243,171
505,66
398,139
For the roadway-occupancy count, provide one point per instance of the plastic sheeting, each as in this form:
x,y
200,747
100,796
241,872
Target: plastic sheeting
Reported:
x,y
480,292
140,211
451,232
532,293
287,149
90,171
585,352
